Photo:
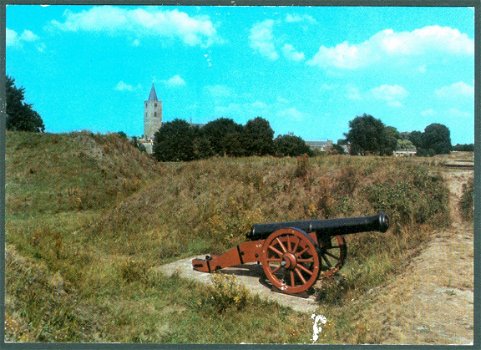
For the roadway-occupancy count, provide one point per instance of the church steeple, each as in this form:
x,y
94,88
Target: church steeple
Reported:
x,y
152,115
153,94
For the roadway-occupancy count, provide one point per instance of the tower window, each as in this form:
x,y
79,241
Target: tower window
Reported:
x,y
155,114
155,104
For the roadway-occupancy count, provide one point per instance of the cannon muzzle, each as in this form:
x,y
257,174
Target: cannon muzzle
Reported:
x,y
330,227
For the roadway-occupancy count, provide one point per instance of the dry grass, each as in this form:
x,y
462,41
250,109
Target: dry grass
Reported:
x,y
100,216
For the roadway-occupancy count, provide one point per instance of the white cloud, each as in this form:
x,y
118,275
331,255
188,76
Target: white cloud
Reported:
x,y
296,18
291,113
261,39
175,81
291,54
191,30
123,86
136,42
428,112
218,90
388,44
457,113
15,39
392,94
459,89
353,93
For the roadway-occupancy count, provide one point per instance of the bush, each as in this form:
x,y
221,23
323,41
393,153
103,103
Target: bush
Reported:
x,y
466,203
226,293
417,199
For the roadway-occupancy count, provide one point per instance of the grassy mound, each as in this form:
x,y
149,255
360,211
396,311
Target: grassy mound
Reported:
x,y
62,172
89,218
209,205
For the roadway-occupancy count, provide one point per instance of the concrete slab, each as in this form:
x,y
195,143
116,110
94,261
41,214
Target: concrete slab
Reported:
x,y
249,275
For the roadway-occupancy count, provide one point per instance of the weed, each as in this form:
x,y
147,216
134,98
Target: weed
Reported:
x,y
225,293
466,203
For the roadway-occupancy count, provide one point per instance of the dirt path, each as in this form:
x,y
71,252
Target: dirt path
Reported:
x,y
432,301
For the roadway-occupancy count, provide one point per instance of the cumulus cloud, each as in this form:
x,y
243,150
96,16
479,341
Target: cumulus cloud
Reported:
x,y
391,94
459,114
291,54
174,81
15,39
191,30
218,90
291,113
353,93
428,112
388,44
296,18
261,39
123,86
459,89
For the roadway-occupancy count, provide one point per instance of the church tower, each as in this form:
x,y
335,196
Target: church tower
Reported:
x,y
152,115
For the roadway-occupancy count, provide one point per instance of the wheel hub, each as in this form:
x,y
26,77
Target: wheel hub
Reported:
x,y
289,261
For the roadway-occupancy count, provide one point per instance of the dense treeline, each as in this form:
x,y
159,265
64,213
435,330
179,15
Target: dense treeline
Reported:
x,y
180,141
368,135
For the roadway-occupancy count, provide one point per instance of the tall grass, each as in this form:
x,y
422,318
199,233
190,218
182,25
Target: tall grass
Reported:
x,y
94,223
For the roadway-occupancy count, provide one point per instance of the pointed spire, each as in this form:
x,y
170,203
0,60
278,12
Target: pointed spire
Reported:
x,y
153,95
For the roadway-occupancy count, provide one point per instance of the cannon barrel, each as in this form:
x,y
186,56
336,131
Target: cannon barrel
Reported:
x,y
330,227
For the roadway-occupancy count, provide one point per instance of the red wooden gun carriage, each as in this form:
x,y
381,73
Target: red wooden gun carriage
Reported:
x,y
293,254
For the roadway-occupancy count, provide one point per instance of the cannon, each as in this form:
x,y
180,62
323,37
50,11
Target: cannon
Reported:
x,y
294,254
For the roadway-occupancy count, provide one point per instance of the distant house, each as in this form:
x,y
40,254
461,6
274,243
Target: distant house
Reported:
x,y
404,153
322,146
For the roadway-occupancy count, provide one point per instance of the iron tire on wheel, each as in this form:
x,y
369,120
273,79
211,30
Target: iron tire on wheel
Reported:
x,y
290,260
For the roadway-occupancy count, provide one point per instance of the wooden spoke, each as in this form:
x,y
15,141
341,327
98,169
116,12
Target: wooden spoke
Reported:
x,y
278,252
300,275
326,260
309,272
282,245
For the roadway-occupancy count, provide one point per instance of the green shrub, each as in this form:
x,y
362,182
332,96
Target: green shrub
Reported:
x,y
466,203
226,293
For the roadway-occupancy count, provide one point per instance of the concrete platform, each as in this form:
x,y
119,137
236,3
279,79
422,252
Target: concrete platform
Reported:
x,y
250,275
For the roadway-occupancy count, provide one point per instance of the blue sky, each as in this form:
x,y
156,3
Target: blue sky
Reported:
x,y
308,70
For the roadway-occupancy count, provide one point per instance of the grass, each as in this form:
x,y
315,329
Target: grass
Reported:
x,y
89,218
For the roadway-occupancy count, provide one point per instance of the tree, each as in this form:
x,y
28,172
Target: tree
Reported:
x,y
366,135
20,115
258,137
437,137
174,141
416,137
389,140
201,145
217,130
468,147
290,145
405,145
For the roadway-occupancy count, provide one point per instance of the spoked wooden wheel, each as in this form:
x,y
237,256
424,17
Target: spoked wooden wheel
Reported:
x,y
290,260
332,254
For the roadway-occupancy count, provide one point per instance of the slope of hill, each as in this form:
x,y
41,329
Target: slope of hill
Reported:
x,y
90,217
78,171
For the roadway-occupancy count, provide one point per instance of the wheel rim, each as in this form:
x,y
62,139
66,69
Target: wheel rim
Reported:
x,y
333,257
290,260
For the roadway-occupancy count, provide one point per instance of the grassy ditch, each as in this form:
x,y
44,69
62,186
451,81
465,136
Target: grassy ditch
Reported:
x,y
101,256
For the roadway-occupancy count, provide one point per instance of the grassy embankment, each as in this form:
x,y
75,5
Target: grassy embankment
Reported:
x,y
89,218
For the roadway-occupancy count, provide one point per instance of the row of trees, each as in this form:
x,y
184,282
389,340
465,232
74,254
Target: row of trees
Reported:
x,y
368,135
180,141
